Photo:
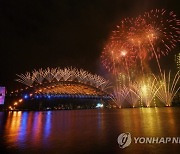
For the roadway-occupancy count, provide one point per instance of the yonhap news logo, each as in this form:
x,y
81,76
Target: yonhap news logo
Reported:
x,y
125,139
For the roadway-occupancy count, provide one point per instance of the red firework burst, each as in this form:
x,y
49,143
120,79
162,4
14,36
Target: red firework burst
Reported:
x,y
163,30
118,55
154,30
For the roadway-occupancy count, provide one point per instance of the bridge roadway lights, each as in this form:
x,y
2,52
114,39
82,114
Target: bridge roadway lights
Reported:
x,y
70,96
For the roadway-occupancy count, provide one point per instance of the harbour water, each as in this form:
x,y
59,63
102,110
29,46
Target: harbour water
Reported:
x,y
87,131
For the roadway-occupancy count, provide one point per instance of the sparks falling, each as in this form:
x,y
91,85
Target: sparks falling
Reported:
x,y
169,87
132,44
66,74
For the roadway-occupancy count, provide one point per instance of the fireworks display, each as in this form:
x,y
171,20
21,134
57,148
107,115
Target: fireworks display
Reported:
x,y
168,88
66,74
134,42
157,28
122,95
126,55
117,52
147,89
151,34
143,91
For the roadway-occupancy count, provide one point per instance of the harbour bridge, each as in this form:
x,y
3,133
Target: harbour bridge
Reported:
x,y
55,84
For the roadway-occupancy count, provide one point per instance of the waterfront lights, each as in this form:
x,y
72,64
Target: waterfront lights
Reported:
x,y
20,100
26,96
99,105
15,103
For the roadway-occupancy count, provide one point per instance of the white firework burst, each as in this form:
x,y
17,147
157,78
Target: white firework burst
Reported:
x,y
26,79
66,74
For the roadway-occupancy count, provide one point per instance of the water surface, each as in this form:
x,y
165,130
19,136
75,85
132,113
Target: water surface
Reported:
x,y
87,131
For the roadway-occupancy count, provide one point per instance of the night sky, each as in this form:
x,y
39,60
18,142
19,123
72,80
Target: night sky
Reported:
x,y
42,33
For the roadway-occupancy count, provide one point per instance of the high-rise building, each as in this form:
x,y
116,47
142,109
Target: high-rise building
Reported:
x,y
177,60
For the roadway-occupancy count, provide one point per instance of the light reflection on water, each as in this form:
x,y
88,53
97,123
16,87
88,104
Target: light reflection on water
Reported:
x,y
90,131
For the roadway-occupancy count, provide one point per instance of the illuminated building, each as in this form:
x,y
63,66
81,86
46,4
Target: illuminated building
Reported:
x,y
177,60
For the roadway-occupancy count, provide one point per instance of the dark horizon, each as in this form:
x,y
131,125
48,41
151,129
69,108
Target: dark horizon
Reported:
x,y
37,34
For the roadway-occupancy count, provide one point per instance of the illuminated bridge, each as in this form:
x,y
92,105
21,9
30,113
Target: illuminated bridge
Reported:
x,y
56,83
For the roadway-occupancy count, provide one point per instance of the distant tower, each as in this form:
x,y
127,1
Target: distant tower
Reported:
x,y
177,60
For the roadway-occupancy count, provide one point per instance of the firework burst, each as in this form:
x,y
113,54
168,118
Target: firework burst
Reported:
x,y
38,76
134,42
146,89
66,74
169,88
152,34
119,95
125,94
26,79
159,28
163,30
118,55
